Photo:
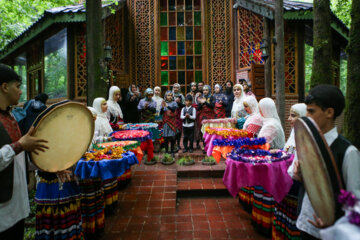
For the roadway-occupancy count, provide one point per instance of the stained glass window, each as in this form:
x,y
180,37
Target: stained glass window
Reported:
x,y
181,42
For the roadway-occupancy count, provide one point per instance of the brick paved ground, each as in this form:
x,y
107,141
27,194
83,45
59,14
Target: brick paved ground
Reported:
x,y
151,207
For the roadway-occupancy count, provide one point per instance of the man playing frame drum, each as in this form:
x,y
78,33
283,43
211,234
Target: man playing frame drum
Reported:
x,y
14,204
324,104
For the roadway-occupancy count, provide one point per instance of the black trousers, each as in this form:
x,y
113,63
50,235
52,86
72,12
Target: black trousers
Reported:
x,y
172,143
306,236
16,232
178,139
188,137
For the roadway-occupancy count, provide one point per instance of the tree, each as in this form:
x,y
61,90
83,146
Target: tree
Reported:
x,y
17,15
322,43
352,110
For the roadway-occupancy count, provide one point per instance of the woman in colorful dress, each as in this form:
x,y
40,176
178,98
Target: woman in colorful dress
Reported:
x,y
132,100
284,226
114,111
206,107
264,203
170,129
180,100
221,102
158,100
238,110
147,107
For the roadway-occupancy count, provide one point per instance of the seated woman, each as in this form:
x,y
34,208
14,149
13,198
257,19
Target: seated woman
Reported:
x,y
147,107
102,125
272,129
114,110
221,102
238,110
286,211
254,121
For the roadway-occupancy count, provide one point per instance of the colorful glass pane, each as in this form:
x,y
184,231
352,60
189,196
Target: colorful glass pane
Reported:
x,y
189,77
197,33
172,63
189,48
163,5
180,19
189,33
172,5
164,78
197,4
188,4
173,78
197,18
172,48
181,62
181,77
164,63
189,18
180,33
172,33
197,47
180,5
164,34
198,62
172,19
164,49
198,76
163,19
181,48
189,62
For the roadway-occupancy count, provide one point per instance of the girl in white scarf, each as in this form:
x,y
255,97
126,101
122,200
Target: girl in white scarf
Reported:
x,y
272,129
238,110
254,121
296,111
102,125
158,100
114,111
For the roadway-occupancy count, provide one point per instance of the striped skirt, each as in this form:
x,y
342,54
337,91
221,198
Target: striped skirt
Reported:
x,y
124,179
110,187
246,198
286,215
263,211
92,206
58,213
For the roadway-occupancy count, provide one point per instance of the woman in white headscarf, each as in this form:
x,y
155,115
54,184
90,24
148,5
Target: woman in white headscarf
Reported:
x,y
296,111
158,100
272,129
114,111
254,121
102,125
238,110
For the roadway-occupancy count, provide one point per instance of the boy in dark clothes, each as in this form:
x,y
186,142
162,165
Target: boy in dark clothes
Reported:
x,y
188,116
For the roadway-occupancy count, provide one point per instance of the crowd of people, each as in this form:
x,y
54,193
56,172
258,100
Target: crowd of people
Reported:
x,y
180,117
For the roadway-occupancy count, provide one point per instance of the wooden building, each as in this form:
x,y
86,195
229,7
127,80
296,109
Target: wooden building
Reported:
x,y
161,42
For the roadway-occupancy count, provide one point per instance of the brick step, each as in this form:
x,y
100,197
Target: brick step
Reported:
x,y
200,170
201,187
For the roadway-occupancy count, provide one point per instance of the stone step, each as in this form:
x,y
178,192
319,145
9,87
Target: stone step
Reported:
x,y
200,170
201,187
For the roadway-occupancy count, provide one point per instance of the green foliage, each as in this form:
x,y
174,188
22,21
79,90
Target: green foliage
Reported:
x,y
56,74
342,9
187,160
308,66
167,158
209,159
17,15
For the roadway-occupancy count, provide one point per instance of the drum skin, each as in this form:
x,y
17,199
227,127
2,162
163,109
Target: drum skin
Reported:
x,y
69,128
316,160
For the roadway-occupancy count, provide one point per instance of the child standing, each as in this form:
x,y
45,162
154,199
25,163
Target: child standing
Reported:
x,y
169,107
188,116
221,102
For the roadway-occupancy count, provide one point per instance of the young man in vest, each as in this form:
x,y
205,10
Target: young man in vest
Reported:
x,y
324,104
14,203
188,116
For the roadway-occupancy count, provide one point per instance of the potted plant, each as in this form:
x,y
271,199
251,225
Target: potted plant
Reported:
x,y
208,161
167,159
151,162
187,160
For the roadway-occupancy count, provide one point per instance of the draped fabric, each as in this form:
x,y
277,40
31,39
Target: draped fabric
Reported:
x,y
102,125
238,110
113,107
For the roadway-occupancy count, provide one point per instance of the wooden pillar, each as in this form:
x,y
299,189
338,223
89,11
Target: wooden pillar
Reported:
x,y
268,68
300,38
280,60
71,61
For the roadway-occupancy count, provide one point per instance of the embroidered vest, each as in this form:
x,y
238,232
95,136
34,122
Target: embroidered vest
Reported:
x,y
190,112
6,175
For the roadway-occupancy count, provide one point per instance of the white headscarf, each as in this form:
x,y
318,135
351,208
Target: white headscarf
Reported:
x,y
93,111
272,129
255,117
300,110
158,100
113,106
238,109
102,124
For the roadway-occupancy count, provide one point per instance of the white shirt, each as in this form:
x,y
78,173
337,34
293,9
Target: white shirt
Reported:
x,y
192,116
17,208
350,172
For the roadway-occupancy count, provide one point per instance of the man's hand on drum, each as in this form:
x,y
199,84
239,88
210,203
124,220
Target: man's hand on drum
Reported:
x,y
318,222
64,175
297,171
33,144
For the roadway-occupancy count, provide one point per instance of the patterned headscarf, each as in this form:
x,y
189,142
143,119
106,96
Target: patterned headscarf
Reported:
x,y
219,86
209,88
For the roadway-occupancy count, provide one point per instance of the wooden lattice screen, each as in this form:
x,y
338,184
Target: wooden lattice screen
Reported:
x,y
80,63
